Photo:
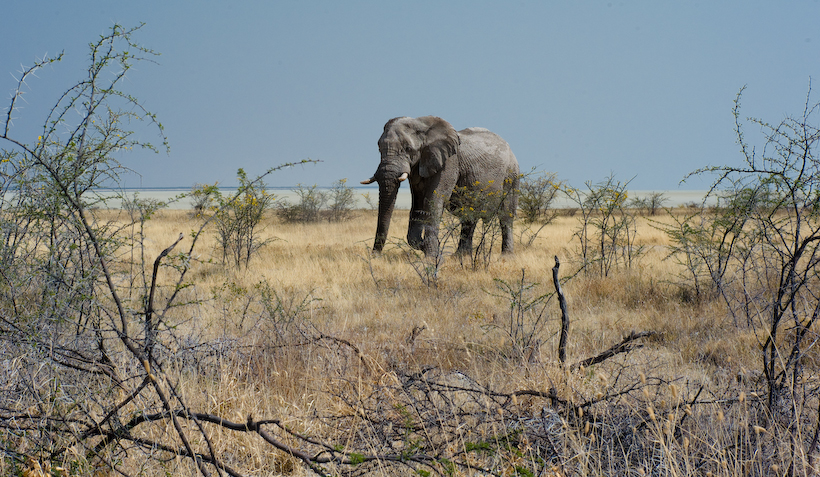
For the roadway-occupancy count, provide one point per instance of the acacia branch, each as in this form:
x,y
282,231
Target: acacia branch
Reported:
x,y
149,309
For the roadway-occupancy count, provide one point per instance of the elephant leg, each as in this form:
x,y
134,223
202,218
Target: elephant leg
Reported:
x,y
506,215
415,231
506,233
430,246
436,192
418,217
431,243
465,242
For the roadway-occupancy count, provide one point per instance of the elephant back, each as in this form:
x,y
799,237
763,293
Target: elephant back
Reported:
x,y
485,156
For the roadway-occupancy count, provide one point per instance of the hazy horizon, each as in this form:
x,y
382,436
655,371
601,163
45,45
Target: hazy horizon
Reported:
x,y
674,198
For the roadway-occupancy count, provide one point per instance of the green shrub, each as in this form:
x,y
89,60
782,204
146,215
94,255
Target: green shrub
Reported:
x,y
314,205
237,219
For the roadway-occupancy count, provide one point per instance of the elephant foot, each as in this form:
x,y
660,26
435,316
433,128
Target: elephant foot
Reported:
x,y
431,251
415,239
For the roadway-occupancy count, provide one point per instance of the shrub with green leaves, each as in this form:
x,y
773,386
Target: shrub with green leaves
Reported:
x,y
340,201
706,241
314,205
80,318
536,197
538,191
650,203
237,219
607,227
202,198
769,268
308,207
480,204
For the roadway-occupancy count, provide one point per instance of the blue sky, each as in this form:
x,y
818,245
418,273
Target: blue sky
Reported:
x,y
640,89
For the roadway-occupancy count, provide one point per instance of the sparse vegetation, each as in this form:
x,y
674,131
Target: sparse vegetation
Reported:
x,y
524,324
314,204
538,191
607,230
650,204
202,198
237,218
308,208
340,201
481,206
772,273
305,334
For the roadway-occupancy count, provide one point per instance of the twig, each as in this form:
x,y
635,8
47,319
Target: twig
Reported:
x,y
814,440
362,357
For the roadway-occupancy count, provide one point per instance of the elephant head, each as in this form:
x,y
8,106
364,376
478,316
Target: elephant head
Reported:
x,y
418,149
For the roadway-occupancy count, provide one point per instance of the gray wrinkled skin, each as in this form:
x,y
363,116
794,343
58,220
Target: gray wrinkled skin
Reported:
x,y
437,159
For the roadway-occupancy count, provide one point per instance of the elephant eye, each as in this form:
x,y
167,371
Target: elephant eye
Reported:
x,y
408,149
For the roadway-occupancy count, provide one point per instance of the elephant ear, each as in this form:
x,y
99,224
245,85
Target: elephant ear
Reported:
x,y
440,144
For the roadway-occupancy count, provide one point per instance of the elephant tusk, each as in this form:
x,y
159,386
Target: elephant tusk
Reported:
x,y
369,181
403,177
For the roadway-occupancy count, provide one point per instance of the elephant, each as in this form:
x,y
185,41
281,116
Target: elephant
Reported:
x,y
459,169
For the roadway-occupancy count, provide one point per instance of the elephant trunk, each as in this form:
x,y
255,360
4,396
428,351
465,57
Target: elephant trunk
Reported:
x,y
388,190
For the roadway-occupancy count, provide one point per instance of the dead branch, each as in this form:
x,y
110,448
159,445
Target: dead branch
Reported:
x,y
362,357
562,302
149,311
626,345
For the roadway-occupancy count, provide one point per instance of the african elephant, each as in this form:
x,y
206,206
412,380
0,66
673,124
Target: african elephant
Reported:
x,y
445,167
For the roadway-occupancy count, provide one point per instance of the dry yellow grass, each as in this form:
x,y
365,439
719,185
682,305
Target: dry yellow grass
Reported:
x,y
375,303
378,300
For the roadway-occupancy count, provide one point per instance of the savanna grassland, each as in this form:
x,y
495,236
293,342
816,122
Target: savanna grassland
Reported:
x,y
249,336
367,365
